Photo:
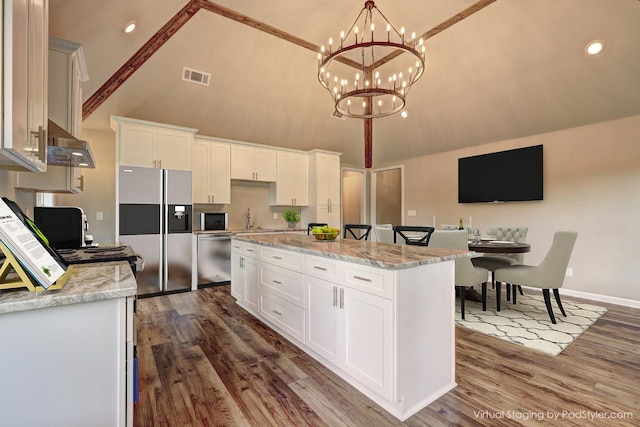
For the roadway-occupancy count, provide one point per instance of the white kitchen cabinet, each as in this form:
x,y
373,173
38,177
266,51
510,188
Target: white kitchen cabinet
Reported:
x,y
292,180
245,275
324,189
68,365
253,163
388,332
67,69
23,123
211,167
350,328
153,145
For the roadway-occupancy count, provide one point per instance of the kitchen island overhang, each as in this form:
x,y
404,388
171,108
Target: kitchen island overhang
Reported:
x,y
380,316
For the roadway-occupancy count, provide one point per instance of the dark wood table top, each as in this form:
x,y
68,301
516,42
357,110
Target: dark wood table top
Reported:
x,y
496,247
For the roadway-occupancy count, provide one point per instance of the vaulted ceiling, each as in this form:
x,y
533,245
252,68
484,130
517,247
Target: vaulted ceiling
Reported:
x,y
513,68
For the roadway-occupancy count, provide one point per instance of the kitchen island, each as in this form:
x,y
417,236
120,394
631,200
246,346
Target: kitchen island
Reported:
x,y
67,355
380,316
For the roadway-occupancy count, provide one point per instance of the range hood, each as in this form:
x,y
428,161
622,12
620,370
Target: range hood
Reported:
x,y
64,149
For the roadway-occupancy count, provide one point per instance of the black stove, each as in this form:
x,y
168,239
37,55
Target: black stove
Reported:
x,y
92,254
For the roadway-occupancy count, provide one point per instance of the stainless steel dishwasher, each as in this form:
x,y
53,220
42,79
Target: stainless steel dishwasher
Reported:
x,y
214,259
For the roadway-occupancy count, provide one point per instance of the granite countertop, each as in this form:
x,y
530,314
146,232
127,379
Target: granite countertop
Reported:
x,y
87,283
381,255
250,230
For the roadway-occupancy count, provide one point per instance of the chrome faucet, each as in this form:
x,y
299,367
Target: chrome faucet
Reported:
x,y
249,223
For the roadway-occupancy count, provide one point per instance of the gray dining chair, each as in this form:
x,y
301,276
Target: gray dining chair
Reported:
x,y
383,233
549,274
492,262
467,275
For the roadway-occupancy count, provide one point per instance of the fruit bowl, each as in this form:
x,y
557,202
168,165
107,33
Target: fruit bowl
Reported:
x,y
325,236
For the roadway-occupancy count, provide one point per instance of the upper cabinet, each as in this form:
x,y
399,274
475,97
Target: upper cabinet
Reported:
x,y
153,145
211,166
253,163
292,180
67,70
324,172
24,85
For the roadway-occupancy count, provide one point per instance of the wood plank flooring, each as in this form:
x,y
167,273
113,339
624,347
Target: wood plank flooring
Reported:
x,y
204,361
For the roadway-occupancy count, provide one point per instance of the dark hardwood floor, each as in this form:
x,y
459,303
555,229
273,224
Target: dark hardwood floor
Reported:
x,y
204,361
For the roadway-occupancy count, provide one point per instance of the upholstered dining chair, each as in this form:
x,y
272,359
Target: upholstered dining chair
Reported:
x,y
314,224
467,275
492,262
361,231
549,274
383,233
420,236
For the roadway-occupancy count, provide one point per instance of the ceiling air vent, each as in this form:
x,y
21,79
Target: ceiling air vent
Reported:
x,y
195,76
337,115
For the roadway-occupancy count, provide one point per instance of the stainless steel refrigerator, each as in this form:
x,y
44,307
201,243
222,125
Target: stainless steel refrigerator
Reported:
x,y
155,216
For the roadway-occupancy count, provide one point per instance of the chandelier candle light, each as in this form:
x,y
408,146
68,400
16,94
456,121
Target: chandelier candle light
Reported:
x,y
359,77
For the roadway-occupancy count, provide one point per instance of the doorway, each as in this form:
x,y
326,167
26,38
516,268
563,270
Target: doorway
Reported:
x,y
353,196
387,195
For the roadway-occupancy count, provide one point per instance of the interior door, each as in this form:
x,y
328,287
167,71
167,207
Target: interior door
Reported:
x,y
387,195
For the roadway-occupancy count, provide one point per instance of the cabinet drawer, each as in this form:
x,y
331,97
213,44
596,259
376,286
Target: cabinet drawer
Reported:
x,y
287,259
246,249
285,316
284,283
323,268
372,280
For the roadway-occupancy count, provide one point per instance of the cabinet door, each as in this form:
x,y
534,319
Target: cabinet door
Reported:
x,y
284,180
330,167
24,112
237,277
138,145
174,150
201,171
367,340
251,279
323,319
264,165
300,179
242,162
220,173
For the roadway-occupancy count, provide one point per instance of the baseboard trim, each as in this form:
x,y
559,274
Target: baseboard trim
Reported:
x,y
602,298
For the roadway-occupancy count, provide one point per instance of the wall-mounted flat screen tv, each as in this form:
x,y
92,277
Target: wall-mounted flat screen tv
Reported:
x,y
505,176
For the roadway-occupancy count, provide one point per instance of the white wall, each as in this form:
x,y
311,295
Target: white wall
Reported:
x,y
591,185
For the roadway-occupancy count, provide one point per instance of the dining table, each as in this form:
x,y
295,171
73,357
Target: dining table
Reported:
x,y
499,247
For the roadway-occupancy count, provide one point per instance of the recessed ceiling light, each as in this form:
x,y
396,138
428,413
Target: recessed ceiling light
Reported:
x,y
129,27
404,114
594,47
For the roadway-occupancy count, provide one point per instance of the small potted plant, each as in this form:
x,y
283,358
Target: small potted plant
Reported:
x,y
292,217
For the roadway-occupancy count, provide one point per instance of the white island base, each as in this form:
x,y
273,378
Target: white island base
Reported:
x,y
389,332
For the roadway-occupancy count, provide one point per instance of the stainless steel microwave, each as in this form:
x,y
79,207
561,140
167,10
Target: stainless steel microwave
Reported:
x,y
213,221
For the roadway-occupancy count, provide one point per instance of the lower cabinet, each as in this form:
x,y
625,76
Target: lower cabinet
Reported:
x,y
389,333
244,275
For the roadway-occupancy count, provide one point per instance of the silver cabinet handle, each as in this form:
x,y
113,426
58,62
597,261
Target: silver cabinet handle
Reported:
x,y
249,250
335,296
42,143
341,297
81,182
277,312
160,164
277,282
319,268
362,278
277,257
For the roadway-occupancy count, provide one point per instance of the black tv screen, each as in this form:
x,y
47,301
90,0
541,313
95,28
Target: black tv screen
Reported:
x,y
505,176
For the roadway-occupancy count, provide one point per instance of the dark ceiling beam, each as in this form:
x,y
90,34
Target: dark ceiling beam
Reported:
x,y
140,57
476,7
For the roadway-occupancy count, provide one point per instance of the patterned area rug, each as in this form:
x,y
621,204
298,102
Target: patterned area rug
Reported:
x,y
527,323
